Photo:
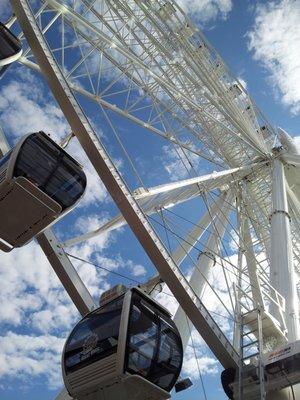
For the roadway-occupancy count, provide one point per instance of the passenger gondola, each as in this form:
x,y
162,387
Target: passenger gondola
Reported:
x,y
39,183
10,46
127,349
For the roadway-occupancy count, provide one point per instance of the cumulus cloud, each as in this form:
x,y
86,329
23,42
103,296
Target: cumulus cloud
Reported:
x,y
138,269
22,269
274,40
207,365
29,356
32,298
24,108
90,223
176,164
206,10
242,82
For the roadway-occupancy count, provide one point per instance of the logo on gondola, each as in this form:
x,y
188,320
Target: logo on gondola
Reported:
x,y
90,343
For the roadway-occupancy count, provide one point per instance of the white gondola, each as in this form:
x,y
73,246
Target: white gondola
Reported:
x,y
127,349
10,46
39,182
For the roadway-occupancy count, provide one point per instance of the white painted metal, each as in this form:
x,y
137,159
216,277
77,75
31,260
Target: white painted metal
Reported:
x,y
152,199
196,61
183,249
4,146
251,264
282,273
202,269
168,270
195,234
66,272
205,182
252,349
287,142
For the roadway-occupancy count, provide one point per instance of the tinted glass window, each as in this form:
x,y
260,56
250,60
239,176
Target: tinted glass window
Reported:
x,y
94,338
51,169
169,358
9,44
143,339
154,349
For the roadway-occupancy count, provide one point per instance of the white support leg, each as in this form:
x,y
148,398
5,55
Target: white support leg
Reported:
x,y
282,273
203,267
251,264
237,322
195,234
66,273
4,146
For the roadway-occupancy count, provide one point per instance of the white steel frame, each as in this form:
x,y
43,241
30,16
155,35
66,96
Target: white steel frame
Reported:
x,y
197,91
81,127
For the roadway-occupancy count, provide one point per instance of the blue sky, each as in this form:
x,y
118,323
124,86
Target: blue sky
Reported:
x,y
258,40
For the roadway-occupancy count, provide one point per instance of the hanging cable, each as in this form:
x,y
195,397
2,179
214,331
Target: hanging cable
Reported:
x,y
227,261
196,358
122,146
209,284
105,269
215,254
135,281
166,230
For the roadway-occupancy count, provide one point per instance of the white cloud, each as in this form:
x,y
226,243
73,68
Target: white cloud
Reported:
x,y
24,108
5,10
207,365
176,164
28,356
118,262
166,299
138,270
206,10
90,223
28,282
274,40
32,298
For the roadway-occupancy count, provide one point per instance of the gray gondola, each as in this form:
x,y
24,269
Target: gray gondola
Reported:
x,y
128,349
39,183
10,46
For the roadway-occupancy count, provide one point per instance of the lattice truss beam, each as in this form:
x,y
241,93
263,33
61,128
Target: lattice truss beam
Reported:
x,y
146,62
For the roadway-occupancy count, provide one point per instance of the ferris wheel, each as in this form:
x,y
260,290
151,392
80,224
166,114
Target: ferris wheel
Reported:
x,y
220,221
